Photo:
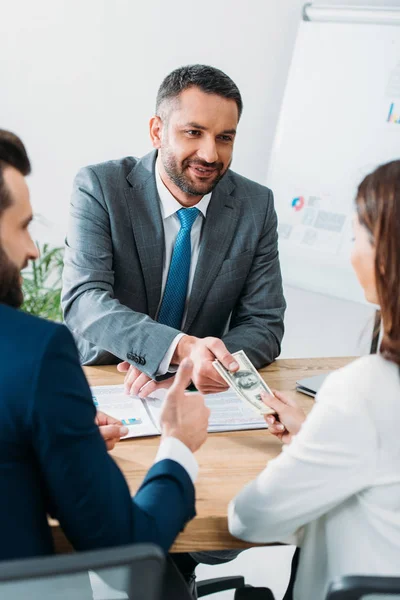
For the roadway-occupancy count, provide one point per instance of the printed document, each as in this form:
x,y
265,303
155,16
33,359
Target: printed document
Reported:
x,y
142,416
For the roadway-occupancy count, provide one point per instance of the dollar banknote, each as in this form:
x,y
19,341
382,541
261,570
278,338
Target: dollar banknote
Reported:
x,y
246,382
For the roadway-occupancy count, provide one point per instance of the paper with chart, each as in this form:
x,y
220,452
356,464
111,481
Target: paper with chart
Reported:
x,y
330,134
228,412
131,410
142,417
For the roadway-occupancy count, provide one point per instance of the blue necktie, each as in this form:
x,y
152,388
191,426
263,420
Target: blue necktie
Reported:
x,y
174,299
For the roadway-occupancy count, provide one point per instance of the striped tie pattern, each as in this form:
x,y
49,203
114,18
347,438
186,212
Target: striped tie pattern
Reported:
x,y
174,299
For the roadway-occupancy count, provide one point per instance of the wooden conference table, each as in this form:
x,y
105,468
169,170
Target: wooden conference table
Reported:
x,y
227,460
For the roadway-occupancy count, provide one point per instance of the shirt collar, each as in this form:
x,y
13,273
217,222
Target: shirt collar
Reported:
x,y
169,204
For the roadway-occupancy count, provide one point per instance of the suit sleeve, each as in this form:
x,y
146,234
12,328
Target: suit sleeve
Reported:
x,y
86,489
256,324
91,310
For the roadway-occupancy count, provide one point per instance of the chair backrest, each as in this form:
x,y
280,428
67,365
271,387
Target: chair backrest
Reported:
x,y
364,588
136,570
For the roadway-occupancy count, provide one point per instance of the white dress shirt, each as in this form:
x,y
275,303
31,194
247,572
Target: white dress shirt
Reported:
x,y
335,490
176,450
172,225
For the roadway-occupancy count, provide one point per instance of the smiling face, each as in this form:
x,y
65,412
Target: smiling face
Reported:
x,y
194,136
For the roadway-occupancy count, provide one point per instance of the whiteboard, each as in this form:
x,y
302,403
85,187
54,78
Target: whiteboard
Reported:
x,y
340,118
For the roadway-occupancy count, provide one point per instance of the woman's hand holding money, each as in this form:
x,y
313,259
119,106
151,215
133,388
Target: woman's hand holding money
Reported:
x,y
288,419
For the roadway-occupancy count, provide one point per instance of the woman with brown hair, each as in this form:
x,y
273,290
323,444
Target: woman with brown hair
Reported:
x,y
335,489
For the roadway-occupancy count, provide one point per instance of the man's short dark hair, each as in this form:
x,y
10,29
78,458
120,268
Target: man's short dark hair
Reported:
x,y
208,79
12,154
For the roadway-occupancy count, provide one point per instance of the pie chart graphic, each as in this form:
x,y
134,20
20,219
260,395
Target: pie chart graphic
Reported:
x,y
298,203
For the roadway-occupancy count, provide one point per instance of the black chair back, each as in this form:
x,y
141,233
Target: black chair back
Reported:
x,y
139,568
364,588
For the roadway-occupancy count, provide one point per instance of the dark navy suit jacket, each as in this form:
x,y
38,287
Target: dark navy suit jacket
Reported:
x,y
53,459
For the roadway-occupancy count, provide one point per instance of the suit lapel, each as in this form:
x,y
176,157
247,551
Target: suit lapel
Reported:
x,y
218,231
145,212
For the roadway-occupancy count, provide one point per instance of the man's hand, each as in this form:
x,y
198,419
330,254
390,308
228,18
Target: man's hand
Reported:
x,y
139,384
111,429
184,415
289,417
202,352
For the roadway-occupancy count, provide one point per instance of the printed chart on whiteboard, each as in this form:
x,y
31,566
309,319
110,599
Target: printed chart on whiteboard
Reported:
x,y
340,119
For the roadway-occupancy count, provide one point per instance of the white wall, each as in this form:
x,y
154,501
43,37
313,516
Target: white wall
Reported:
x,y
78,82
79,77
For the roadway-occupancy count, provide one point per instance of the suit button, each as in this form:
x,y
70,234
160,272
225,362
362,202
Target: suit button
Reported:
x,y
133,357
142,360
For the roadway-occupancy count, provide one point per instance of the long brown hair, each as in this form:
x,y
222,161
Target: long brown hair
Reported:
x,y
378,208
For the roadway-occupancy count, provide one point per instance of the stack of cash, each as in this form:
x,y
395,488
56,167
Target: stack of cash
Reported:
x,y
246,382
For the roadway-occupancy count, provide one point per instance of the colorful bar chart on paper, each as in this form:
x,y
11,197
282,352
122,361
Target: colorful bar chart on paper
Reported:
x,y
130,410
128,422
394,115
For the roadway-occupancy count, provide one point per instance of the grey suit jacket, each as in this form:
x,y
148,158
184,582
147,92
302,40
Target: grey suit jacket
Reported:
x,y
114,260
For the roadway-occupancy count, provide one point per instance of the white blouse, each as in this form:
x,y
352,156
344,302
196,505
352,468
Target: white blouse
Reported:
x,y
335,490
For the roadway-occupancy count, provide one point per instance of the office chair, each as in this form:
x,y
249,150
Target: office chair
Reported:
x,y
368,587
140,569
140,566
235,582
220,584
176,588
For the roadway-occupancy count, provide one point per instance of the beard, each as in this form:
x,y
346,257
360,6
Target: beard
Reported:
x,y
10,282
181,178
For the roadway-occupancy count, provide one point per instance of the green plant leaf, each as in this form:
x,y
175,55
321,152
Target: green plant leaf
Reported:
x,y
42,284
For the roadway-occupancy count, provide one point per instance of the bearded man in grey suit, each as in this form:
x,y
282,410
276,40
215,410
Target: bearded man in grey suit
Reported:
x,y
134,290
174,254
